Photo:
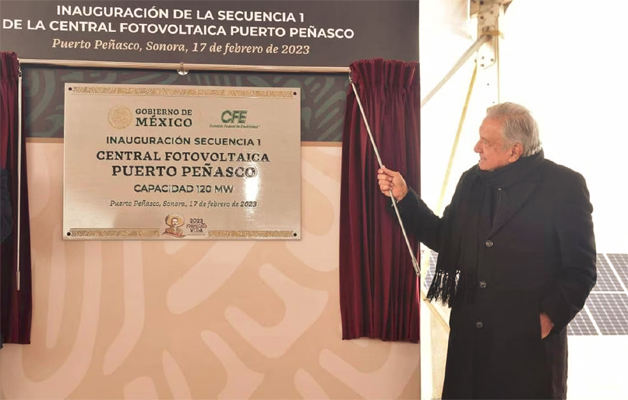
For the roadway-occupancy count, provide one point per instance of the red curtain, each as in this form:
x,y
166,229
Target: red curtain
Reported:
x,y
379,296
16,305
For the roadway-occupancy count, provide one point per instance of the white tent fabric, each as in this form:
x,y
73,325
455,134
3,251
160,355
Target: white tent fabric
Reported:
x,y
565,63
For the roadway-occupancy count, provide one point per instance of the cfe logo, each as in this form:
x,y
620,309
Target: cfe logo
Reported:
x,y
233,116
233,119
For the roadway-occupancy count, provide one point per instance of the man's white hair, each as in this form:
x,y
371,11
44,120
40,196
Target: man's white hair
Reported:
x,y
518,126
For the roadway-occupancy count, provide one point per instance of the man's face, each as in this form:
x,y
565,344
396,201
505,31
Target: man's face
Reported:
x,y
490,147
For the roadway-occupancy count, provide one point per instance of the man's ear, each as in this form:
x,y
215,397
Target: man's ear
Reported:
x,y
516,151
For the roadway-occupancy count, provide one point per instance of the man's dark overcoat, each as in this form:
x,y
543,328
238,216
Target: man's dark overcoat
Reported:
x,y
535,253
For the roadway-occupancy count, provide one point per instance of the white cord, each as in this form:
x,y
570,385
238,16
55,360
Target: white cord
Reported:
x,y
19,173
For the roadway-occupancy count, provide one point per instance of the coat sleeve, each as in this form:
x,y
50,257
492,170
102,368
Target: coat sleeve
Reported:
x,y
420,220
6,219
577,272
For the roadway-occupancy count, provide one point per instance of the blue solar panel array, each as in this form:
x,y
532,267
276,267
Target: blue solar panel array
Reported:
x,y
606,309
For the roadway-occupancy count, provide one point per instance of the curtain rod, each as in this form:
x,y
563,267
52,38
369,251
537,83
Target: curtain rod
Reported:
x,y
183,68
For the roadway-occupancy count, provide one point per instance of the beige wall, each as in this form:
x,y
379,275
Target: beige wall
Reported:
x,y
202,320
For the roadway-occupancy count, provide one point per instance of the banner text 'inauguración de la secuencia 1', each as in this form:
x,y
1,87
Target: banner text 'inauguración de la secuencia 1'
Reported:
x,y
317,33
181,162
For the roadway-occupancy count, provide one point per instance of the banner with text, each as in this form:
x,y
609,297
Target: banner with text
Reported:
x,y
281,33
181,162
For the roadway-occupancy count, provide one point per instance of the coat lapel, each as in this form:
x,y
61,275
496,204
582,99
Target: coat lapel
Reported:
x,y
513,198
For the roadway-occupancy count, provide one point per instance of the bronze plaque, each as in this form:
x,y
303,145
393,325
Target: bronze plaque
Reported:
x,y
158,162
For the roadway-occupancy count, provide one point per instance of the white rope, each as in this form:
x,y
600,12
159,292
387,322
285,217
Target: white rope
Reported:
x,y
415,264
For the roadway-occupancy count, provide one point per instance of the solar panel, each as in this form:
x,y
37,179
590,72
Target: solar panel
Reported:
x,y
432,267
581,325
606,279
620,263
610,312
608,301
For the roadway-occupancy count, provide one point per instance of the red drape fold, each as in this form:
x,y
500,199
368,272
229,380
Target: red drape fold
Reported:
x,y
379,295
15,305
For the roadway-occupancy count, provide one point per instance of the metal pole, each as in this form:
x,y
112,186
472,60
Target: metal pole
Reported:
x,y
186,67
467,54
19,171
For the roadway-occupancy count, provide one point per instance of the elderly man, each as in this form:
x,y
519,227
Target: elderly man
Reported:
x,y
516,262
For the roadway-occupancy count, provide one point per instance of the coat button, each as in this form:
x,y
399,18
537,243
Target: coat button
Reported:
x,y
479,325
488,243
482,285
